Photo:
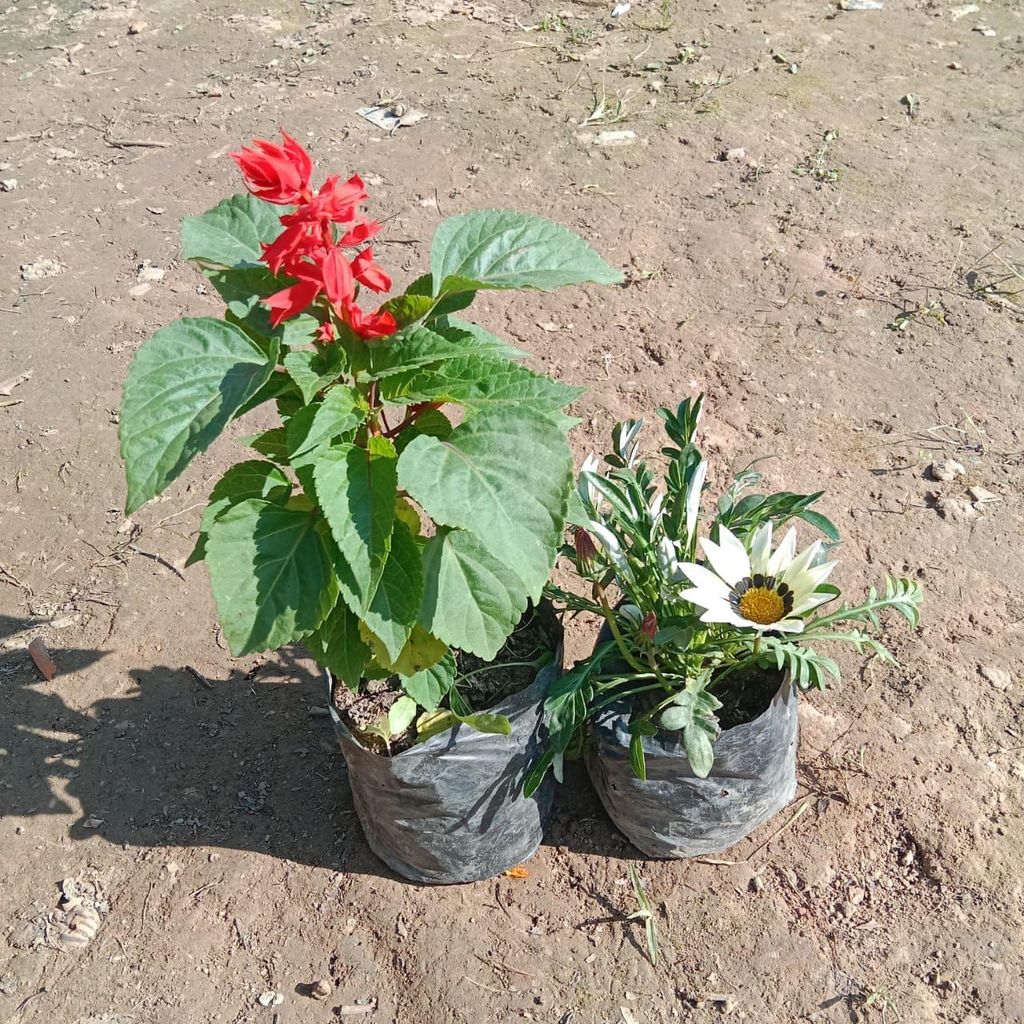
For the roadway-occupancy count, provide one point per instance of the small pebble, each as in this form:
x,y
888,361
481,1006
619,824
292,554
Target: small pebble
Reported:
x,y
271,998
956,510
137,27
946,470
320,989
8,184
998,677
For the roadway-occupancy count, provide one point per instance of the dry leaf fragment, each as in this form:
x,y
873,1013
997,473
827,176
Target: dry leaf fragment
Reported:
x,y
517,872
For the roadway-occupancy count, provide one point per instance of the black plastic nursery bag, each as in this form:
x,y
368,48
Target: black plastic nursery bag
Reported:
x,y
675,814
451,809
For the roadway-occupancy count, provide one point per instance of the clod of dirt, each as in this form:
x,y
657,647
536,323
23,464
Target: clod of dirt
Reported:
x,y
8,184
956,510
946,470
998,677
320,989
270,998
148,274
41,268
137,27
737,154
982,496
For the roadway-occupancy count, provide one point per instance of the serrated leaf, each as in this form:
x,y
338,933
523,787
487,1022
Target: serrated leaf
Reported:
x,y
471,600
271,573
273,443
479,382
316,426
356,489
431,422
429,686
183,387
278,386
395,607
230,233
502,475
250,479
312,371
424,285
337,645
507,249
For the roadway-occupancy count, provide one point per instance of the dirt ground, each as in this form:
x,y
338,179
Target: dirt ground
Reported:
x,y
842,289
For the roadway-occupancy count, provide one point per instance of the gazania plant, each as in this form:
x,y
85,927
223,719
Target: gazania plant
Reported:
x,y
411,497
705,610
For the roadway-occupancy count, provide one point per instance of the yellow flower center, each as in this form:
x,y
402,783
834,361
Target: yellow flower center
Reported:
x,y
762,605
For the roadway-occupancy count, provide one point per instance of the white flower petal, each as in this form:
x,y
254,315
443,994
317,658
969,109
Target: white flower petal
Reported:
x,y
728,558
722,611
809,603
760,549
705,580
693,498
787,626
798,567
783,554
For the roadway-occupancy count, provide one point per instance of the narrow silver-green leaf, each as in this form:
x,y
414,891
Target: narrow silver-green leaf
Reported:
x,y
271,573
184,385
506,249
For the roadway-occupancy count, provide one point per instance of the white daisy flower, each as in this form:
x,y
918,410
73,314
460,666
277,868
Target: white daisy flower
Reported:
x,y
761,590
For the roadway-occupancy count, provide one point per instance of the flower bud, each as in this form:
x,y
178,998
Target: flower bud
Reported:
x,y
649,626
586,549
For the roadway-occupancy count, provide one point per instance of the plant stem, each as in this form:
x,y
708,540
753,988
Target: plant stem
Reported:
x,y
609,617
537,663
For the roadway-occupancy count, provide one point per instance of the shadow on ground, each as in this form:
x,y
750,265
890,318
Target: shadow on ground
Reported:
x,y
244,763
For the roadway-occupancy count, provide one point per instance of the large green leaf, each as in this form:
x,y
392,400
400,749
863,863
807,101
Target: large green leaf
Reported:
x,y
505,249
356,489
316,426
479,382
271,573
312,371
429,687
396,604
471,600
337,645
253,478
420,346
230,233
183,386
504,475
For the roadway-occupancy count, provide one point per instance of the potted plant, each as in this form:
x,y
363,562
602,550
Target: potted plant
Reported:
x,y
690,693
402,517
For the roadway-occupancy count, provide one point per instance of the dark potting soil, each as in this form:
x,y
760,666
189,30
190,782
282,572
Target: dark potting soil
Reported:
x,y
486,683
745,696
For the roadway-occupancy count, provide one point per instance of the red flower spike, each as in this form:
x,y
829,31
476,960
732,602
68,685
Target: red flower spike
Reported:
x,y
291,301
325,332
360,233
371,325
274,173
290,244
369,273
337,277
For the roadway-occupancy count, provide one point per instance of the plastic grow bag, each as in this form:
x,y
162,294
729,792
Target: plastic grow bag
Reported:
x,y
451,809
675,814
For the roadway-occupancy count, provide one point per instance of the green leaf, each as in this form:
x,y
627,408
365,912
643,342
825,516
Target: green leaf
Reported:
x,y
337,645
484,721
479,382
430,686
636,756
271,573
401,715
356,488
277,386
395,607
312,371
471,600
230,233
821,523
506,249
273,443
424,286
431,422
316,426
183,387
699,751
250,479
504,475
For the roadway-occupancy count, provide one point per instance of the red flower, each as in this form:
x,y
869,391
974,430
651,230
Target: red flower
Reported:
x,y
337,277
360,233
586,549
335,203
291,301
369,273
278,174
370,325
325,332
293,242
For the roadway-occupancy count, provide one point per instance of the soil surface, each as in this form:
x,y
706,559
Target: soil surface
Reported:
x,y
745,696
820,217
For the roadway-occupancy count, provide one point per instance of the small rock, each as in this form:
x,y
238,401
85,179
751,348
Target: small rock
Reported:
x,y
148,274
8,184
19,830
756,883
320,989
739,153
956,510
137,27
985,30
998,677
946,470
92,822
270,998
855,894
139,290
41,268
59,153
981,495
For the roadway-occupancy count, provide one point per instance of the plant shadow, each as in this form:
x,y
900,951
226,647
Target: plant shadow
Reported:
x,y
248,762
